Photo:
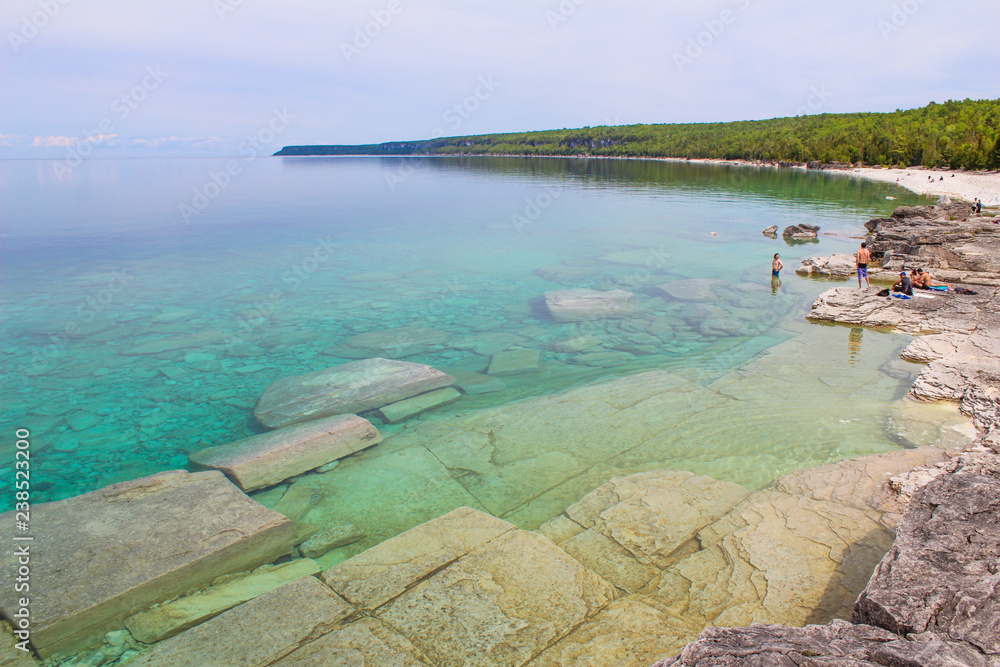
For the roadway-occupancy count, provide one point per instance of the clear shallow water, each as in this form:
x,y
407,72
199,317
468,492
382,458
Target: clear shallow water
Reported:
x,y
278,273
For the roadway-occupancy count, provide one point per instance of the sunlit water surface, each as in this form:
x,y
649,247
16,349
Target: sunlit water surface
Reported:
x,y
274,272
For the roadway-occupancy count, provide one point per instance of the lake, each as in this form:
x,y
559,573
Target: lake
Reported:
x,y
148,303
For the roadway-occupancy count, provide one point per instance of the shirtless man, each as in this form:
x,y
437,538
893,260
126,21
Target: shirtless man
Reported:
x,y
928,280
862,259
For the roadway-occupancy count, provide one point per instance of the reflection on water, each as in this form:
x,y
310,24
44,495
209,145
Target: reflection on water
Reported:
x,y
130,339
854,345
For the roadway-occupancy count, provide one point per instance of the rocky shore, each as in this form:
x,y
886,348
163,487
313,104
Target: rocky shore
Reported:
x,y
934,598
185,568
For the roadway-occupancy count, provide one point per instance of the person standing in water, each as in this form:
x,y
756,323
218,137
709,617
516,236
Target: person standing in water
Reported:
x,y
862,259
776,266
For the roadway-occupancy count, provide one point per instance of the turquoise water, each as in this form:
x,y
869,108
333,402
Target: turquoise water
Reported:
x,y
144,310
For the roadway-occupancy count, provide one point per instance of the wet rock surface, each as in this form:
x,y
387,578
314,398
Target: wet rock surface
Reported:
x,y
267,459
349,388
171,533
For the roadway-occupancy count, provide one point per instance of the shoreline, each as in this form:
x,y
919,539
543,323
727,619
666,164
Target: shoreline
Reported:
x,y
957,184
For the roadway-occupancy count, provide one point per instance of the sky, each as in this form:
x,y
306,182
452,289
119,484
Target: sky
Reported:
x,y
234,77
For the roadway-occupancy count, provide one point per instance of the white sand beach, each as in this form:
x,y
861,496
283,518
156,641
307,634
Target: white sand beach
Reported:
x,y
963,185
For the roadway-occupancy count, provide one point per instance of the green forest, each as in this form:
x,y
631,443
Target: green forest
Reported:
x,y
957,135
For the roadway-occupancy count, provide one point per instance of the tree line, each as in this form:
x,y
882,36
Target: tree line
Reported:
x,y
955,134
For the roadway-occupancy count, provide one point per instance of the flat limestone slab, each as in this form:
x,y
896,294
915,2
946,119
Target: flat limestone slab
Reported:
x,y
346,389
473,384
381,573
256,633
119,550
515,362
631,632
267,459
364,643
10,655
776,558
500,604
585,305
411,407
174,617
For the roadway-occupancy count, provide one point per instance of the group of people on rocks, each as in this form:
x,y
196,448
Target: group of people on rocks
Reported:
x,y
918,279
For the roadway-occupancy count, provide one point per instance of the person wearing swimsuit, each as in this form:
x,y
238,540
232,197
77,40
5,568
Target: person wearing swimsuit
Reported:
x,y
863,257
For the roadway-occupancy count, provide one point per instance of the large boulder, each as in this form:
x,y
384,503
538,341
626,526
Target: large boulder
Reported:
x,y
346,389
941,575
801,231
264,460
838,644
839,265
584,305
119,550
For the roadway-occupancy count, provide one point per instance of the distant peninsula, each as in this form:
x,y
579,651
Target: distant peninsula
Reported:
x,y
955,134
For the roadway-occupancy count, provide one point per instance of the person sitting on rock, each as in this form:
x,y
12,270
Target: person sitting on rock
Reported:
x,y
928,280
903,285
916,279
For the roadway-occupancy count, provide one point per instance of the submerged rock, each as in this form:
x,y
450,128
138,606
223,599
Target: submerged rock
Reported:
x,y
174,617
630,631
349,388
411,407
695,289
293,615
400,341
145,541
458,589
864,482
515,362
584,305
471,383
576,344
776,558
171,343
267,459
330,538
631,528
